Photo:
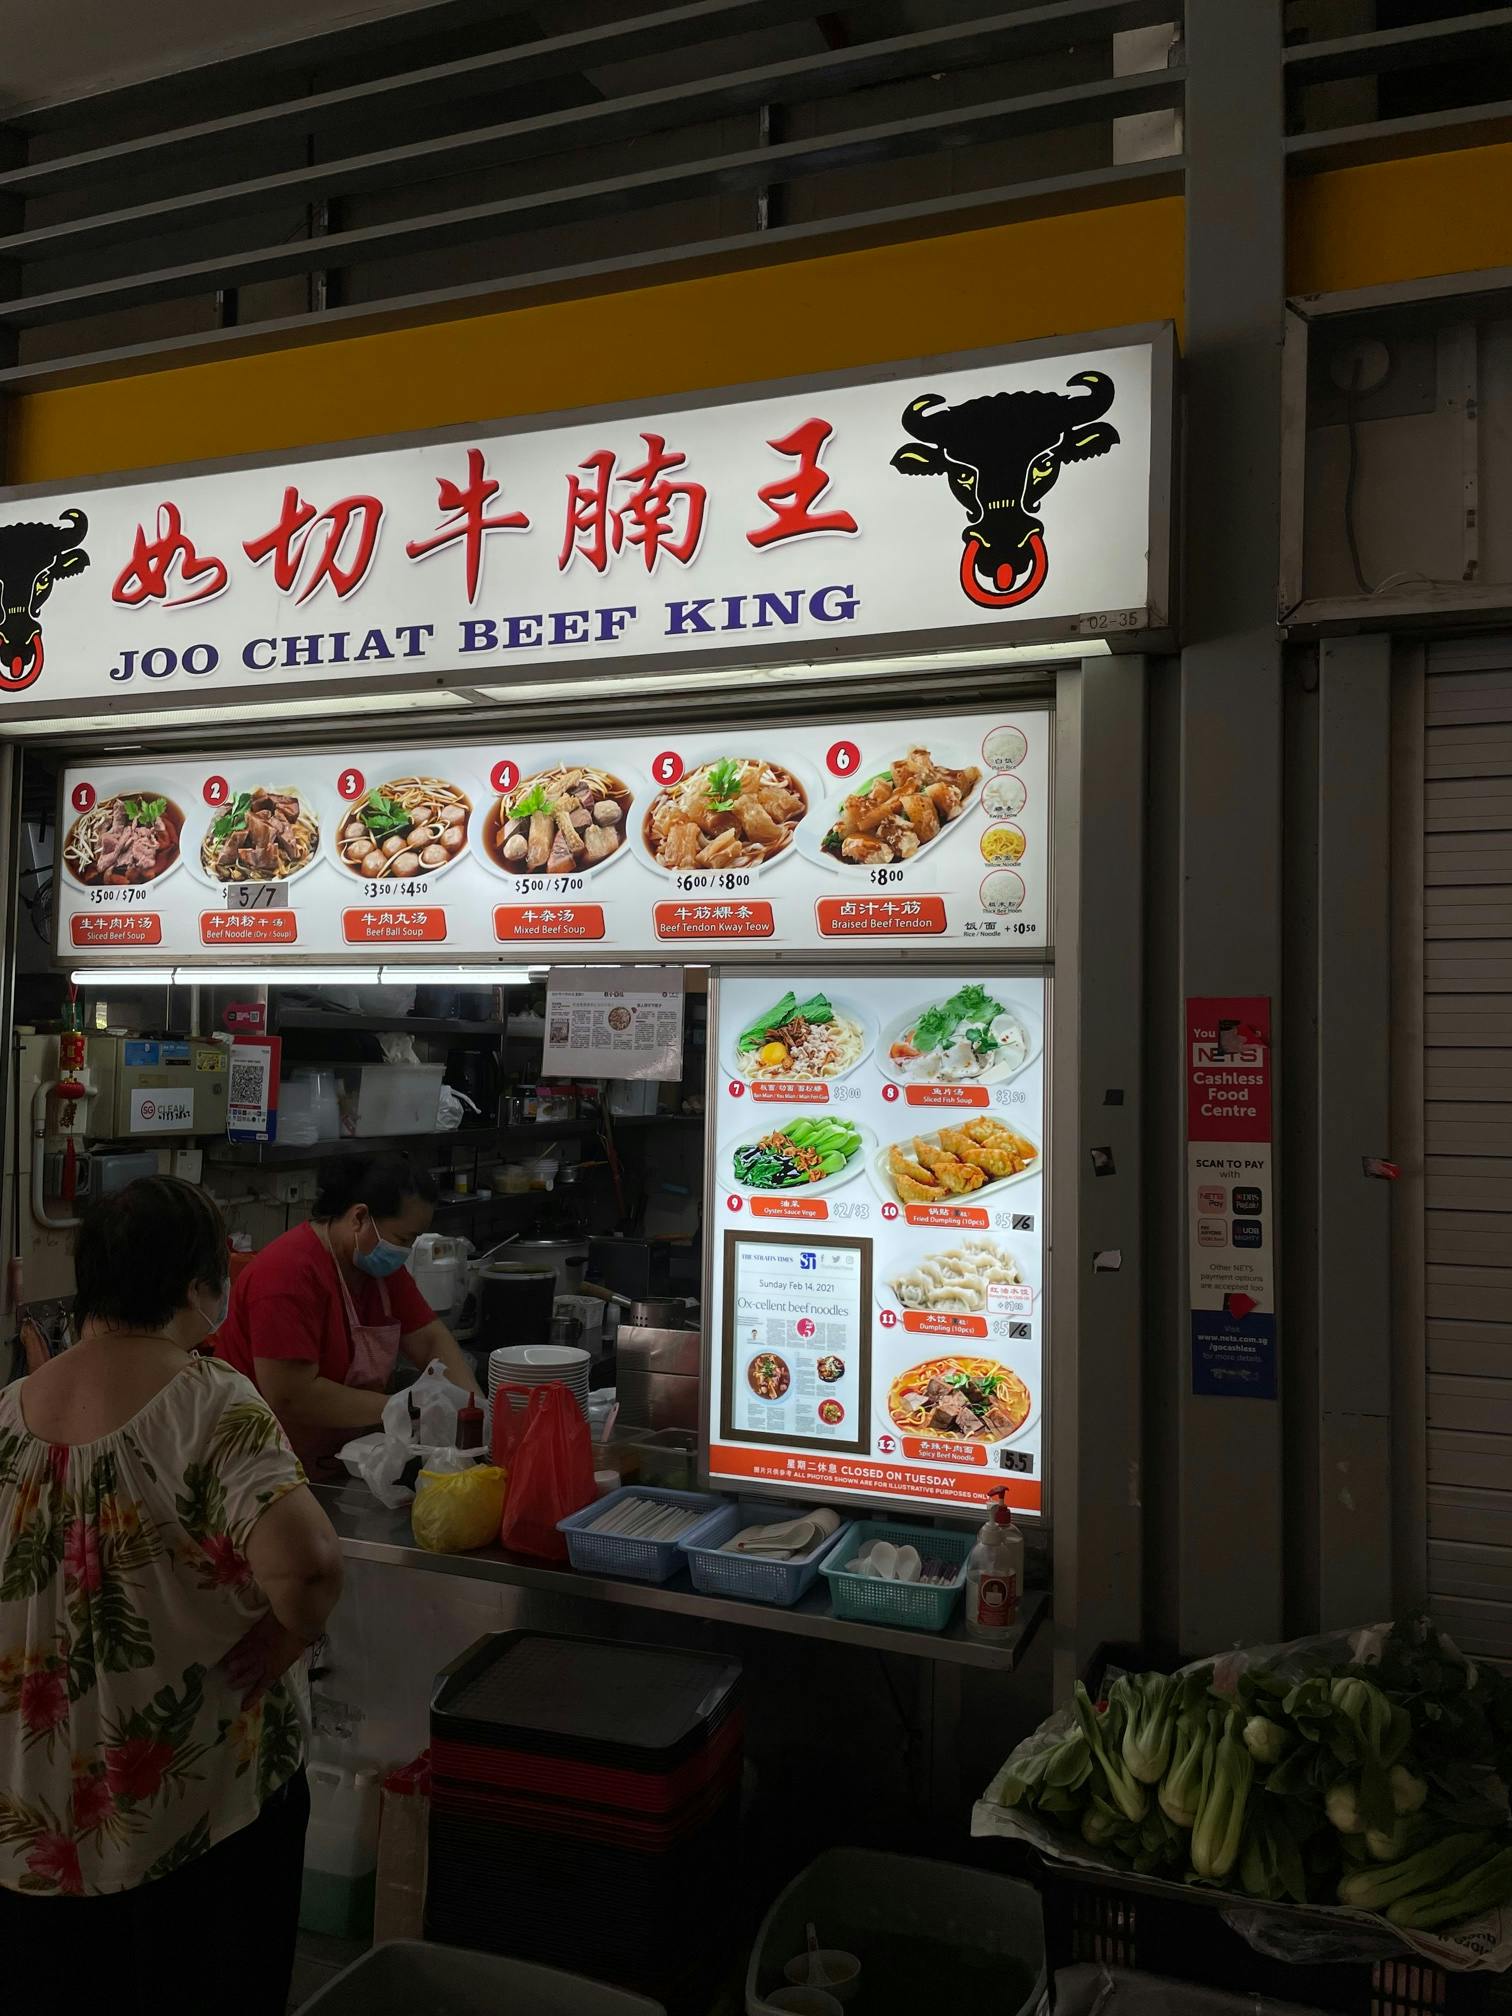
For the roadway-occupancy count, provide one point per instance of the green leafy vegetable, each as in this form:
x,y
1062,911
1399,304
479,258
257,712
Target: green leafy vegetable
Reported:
x,y
1150,1727
234,816
145,811
724,784
1228,1772
753,1037
816,1009
529,803
1104,1734
383,816
938,1024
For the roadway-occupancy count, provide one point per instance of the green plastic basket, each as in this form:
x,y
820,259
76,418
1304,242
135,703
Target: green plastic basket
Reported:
x,y
865,1600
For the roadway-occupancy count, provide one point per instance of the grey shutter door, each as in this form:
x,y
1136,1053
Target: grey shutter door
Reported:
x,y
1467,971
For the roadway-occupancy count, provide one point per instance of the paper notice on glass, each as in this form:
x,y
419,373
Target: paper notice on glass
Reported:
x,y
616,1022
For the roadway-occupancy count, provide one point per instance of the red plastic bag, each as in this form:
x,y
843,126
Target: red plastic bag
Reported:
x,y
550,1474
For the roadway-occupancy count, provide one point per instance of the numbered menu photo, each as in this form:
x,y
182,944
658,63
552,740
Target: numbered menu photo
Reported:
x,y
877,833
905,1117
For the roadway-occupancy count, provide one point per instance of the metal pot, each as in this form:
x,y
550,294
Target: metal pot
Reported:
x,y
664,1312
566,1257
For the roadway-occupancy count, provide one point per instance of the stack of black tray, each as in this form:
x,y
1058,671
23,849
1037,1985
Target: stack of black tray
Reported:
x,y
584,1809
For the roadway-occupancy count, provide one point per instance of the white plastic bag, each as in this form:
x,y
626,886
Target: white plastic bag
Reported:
x,y
419,1422
427,1411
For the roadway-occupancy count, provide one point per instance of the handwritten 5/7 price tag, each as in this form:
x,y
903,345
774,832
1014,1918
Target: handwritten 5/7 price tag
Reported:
x,y
256,895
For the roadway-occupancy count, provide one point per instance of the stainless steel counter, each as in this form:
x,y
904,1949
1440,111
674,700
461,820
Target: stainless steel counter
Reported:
x,y
369,1533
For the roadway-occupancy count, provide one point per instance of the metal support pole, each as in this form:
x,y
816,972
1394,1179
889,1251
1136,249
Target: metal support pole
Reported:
x,y
1226,1551
1096,1204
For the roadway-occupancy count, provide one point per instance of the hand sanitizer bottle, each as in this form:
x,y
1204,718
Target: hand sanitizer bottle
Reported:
x,y
995,1576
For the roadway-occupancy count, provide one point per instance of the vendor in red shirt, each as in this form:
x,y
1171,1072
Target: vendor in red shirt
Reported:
x,y
318,1319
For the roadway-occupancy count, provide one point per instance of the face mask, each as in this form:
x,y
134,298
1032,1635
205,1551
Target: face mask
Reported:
x,y
214,1320
385,1257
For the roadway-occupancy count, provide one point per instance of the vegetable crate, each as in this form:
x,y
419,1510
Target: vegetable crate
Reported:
x,y
1123,1924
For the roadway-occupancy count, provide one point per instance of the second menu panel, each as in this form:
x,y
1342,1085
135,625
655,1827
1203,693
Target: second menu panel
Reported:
x,y
876,1301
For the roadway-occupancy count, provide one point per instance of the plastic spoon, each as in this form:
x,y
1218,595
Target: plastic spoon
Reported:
x,y
815,1971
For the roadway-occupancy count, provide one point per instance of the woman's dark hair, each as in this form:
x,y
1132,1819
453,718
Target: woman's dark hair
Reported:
x,y
137,1254
384,1181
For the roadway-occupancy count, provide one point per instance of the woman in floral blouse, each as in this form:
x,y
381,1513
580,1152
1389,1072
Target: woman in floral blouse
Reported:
x,y
163,1568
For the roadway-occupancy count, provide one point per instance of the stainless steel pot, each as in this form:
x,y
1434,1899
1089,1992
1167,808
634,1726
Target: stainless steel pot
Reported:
x,y
659,1313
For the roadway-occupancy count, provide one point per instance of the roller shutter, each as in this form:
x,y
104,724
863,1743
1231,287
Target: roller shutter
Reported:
x,y
1467,1138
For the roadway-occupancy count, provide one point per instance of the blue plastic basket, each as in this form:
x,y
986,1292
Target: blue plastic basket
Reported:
x,y
618,1554
865,1600
721,1574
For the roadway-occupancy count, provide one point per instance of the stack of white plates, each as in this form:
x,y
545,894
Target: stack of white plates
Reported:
x,y
535,1365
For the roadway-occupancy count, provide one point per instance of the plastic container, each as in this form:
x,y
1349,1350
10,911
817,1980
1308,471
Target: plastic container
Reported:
x,y
540,1172
436,1264
391,1099
619,1554
319,1088
411,1975
903,1916
668,1456
756,1581
297,1127
995,1577
864,1599
341,1853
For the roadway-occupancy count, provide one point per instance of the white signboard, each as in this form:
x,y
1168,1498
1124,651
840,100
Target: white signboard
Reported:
x,y
163,1109
938,502
922,832
614,1022
876,1301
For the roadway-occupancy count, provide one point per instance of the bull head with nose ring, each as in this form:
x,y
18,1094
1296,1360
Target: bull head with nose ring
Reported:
x,y
1002,453
32,558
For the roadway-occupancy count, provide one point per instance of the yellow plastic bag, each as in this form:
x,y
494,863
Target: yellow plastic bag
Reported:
x,y
455,1510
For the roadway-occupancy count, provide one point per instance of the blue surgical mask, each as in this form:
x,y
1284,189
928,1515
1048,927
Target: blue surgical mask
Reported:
x,y
385,1258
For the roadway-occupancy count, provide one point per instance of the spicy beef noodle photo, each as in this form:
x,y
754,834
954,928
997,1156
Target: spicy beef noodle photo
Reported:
x,y
130,838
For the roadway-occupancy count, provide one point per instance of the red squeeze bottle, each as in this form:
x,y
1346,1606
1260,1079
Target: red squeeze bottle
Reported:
x,y
470,1424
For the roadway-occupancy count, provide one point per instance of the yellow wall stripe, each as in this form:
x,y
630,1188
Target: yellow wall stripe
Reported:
x,y
1100,269
1089,270
1400,220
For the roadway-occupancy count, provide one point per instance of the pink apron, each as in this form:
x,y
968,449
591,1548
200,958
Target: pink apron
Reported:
x,y
375,1350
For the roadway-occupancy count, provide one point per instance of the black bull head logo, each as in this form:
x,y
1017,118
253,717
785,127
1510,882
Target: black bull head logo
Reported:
x,y
1002,454
32,558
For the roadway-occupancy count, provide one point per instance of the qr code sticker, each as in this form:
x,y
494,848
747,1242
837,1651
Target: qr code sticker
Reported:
x,y
247,1082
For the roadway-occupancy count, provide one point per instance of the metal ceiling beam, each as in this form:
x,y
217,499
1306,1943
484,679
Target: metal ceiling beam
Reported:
x,y
1393,139
649,34
745,169
1053,196
1037,30
1462,38
804,78
427,20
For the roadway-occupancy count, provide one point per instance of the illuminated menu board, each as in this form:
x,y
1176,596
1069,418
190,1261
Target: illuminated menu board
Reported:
x,y
931,833
876,1301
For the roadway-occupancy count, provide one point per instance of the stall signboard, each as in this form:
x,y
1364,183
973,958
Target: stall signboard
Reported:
x,y
1231,1200
939,501
924,832
876,1294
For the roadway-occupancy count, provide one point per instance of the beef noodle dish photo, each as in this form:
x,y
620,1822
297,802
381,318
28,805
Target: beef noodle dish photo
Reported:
x,y
263,835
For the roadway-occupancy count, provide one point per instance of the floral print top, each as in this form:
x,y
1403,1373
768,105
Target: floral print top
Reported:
x,y
123,1582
